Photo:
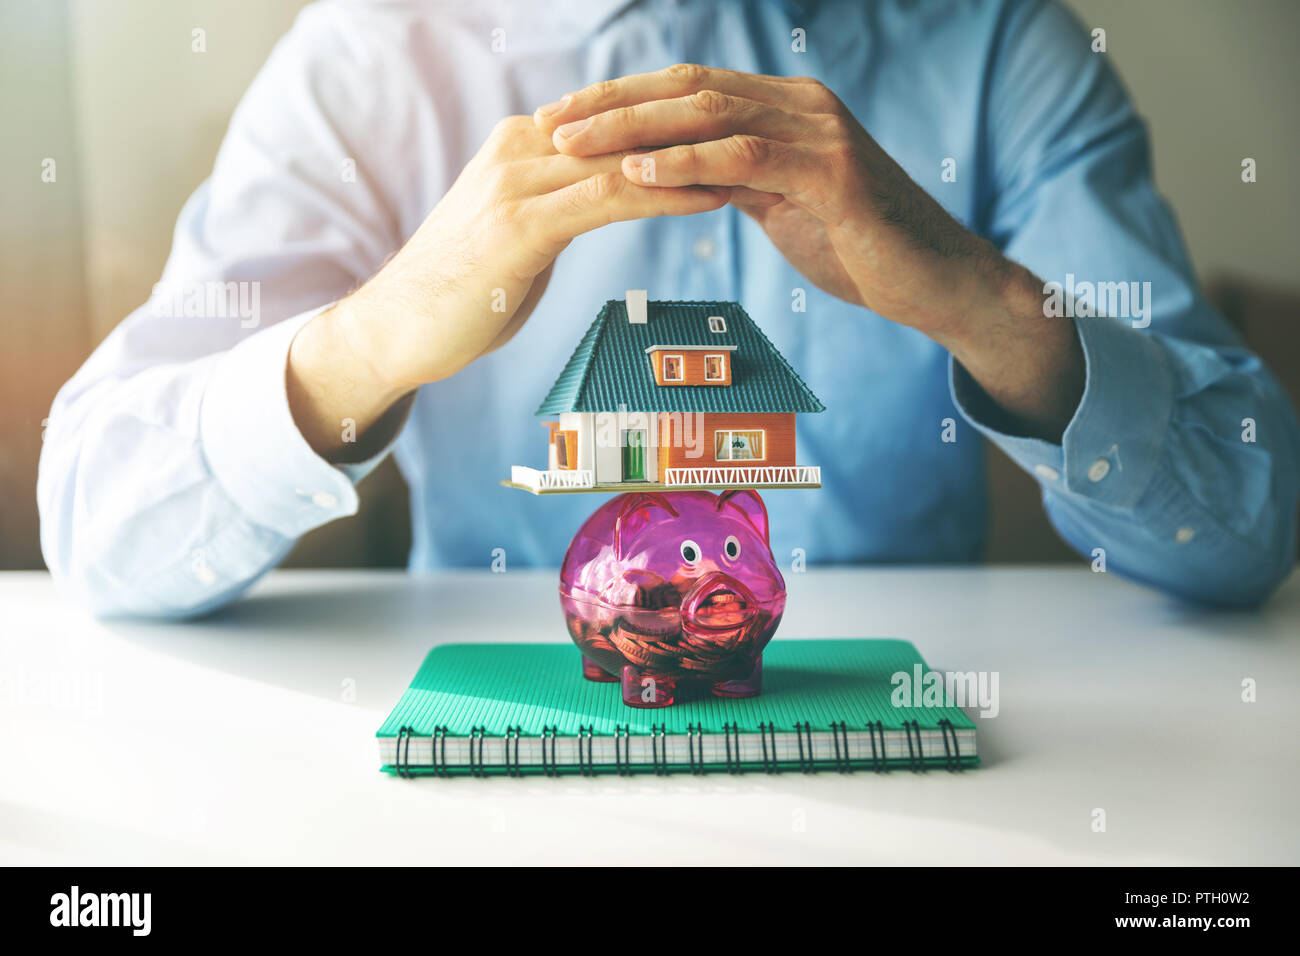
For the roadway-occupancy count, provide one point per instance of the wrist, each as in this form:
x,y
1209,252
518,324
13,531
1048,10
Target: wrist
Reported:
x,y
357,339
1002,319
1029,364
336,393
1001,302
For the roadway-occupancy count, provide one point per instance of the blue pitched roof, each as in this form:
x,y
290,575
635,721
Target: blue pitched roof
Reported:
x,y
610,367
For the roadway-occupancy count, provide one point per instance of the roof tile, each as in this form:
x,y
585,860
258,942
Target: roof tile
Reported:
x,y
609,368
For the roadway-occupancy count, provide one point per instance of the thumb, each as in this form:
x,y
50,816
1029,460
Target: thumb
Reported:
x,y
754,201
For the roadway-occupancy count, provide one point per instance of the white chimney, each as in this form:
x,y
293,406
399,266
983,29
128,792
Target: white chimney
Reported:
x,y
636,306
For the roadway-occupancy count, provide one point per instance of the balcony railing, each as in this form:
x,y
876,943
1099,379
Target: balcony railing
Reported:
x,y
745,475
537,480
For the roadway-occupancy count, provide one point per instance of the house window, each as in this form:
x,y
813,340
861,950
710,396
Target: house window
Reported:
x,y
566,450
714,368
739,445
717,323
673,368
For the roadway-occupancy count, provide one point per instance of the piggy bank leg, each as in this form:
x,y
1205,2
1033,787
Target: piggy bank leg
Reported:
x,y
593,671
750,686
642,689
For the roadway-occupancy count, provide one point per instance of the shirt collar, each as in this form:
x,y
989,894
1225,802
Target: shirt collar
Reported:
x,y
597,13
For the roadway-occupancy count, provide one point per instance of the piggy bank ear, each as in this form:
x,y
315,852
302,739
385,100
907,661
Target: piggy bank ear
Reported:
x,y
635,512
748,503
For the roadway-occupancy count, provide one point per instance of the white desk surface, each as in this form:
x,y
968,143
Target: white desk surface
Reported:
x,y
229,740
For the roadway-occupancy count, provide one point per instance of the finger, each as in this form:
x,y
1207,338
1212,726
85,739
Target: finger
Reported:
x,y
799,93
696,118
549,173
516,138
751,161
610,197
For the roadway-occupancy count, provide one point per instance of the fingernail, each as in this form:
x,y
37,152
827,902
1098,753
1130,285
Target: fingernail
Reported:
x,y
555,107
574,128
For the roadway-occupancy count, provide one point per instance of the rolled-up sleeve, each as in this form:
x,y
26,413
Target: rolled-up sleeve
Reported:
x,y
268,471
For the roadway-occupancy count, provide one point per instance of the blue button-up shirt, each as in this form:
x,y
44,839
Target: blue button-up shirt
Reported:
x,y
173,475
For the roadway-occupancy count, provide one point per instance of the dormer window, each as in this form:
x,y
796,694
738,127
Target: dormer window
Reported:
x,y
690,365
717,324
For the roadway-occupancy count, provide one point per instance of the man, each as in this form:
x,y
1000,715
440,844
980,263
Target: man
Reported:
x,y
889,188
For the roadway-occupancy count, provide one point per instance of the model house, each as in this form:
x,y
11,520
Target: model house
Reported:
x,y
672,395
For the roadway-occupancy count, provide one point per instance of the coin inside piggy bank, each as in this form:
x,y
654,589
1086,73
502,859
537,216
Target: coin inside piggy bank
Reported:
x,y
661,590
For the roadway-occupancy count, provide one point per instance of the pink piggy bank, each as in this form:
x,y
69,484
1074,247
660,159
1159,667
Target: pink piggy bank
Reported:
x,y
665,590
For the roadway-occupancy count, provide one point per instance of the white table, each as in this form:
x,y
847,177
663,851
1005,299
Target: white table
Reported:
x,y
248,737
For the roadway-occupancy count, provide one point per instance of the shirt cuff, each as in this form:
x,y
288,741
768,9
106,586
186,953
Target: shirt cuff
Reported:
x,y
254,448
1110,449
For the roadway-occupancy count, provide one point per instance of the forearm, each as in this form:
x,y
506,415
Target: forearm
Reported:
x,y
1030,367
344,408
150,531
1192,490
170,490
1184,547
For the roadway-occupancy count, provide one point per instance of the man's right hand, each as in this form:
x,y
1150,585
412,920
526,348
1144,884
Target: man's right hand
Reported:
x,y
462,285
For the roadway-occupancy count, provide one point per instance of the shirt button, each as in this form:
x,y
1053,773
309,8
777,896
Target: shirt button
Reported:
x,y
1098,470
1184,534
323,499
199,568
705,248
1047,471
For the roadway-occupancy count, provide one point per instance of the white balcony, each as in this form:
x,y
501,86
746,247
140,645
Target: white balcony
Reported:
x,y
749,475
552,479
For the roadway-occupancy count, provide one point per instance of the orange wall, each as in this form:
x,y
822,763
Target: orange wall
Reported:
x,y
692,367
778,440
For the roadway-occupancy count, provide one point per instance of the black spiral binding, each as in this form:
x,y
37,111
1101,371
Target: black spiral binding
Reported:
x,y
732,743
512,763
438,751
477,735
623,749
840,734
586,761
951,757
659,748
844,763
402,763
766,733
694,738
806,762
878,762
915,755
550,766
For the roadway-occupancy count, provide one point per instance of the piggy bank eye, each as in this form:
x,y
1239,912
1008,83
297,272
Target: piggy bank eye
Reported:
x,y
690,551
731,547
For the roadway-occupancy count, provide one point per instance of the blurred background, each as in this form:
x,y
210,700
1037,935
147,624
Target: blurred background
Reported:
x,y
111,90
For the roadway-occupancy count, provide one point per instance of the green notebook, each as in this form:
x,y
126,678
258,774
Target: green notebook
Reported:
x,y
525,708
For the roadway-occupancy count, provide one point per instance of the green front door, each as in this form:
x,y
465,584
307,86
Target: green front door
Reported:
x,y
634,442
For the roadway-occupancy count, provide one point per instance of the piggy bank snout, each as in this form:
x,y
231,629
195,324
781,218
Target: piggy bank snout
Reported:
x,y
717,600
